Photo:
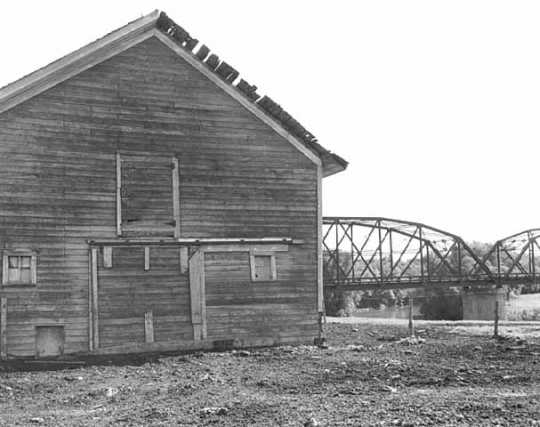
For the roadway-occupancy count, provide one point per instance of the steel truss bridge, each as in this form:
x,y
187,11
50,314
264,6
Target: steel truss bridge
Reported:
x,y
363,253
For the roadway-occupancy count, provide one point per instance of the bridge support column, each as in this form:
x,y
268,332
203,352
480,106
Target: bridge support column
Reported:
x,y
479,303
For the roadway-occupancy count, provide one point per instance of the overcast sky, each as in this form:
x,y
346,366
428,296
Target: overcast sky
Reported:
x,y
435,104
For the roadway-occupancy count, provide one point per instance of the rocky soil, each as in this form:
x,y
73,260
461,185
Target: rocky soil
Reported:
x,y
369,375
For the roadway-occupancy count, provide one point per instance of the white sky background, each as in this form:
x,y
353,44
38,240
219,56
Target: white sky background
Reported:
x,y
435,104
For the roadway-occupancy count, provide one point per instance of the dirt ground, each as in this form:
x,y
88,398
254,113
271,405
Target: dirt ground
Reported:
x,y
366,377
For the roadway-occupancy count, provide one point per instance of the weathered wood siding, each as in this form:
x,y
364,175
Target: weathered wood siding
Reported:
x,y
238,307
238,178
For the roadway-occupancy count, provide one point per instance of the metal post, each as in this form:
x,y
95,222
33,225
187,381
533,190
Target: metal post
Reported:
x,y
351,228
421,253
532,260
337,252
427,262
459,259
380,253
391,257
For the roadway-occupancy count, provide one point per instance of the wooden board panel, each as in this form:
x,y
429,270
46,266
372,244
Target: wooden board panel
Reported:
x,y
134,302
147,195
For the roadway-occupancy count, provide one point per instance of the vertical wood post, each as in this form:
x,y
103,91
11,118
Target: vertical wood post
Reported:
x,y
90,304
146,258
176,196
107,256
149,326
95,312
496,321
203,295
197,295
184,259
118,194
320,288
411,320
3,328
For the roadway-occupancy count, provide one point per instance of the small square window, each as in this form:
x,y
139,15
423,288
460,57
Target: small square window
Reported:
x,y
263,266
19,268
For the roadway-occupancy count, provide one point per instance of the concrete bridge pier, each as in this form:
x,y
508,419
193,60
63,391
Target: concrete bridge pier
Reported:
x,y
479,303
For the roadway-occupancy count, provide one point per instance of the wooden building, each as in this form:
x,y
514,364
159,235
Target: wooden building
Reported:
x,y
152,200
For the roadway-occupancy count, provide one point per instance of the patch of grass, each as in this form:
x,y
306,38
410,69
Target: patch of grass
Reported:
x,y
523,307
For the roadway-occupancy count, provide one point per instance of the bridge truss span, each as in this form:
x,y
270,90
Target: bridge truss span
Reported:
x,y
515,258
377,252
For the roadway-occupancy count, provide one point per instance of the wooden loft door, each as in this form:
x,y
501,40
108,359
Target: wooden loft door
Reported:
x,y
148,193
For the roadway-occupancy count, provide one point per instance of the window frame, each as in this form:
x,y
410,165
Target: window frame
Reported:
x,y
19,253
253,266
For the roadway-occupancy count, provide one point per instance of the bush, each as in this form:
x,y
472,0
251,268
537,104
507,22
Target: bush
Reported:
x,y
341,303
442,305
345,303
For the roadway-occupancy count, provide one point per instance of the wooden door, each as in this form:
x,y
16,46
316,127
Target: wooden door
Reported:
x,y
133,288
147,195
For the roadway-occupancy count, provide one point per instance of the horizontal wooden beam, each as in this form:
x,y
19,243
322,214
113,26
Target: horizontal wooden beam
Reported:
x,y
205,344
263,248
194,242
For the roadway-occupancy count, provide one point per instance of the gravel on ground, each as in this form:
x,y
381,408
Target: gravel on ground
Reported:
x,y
371,374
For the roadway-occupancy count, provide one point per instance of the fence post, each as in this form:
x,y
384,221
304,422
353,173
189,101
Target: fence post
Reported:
x,y
496,323
411,320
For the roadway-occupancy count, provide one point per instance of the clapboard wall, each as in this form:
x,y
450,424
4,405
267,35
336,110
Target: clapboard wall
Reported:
x,y
238,178
239,308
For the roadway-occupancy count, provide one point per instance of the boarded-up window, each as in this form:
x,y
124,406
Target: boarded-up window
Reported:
x,y
49,341
147,195
263,267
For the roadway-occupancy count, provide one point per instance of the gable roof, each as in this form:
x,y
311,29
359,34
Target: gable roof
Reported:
x,y
158,24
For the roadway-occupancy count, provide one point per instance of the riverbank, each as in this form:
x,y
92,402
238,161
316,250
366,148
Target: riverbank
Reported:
x,y
521,328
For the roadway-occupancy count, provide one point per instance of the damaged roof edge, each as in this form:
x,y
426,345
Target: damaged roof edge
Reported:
x,y
332,163
22,89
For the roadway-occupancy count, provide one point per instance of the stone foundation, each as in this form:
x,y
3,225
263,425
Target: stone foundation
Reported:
x,y
479,303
